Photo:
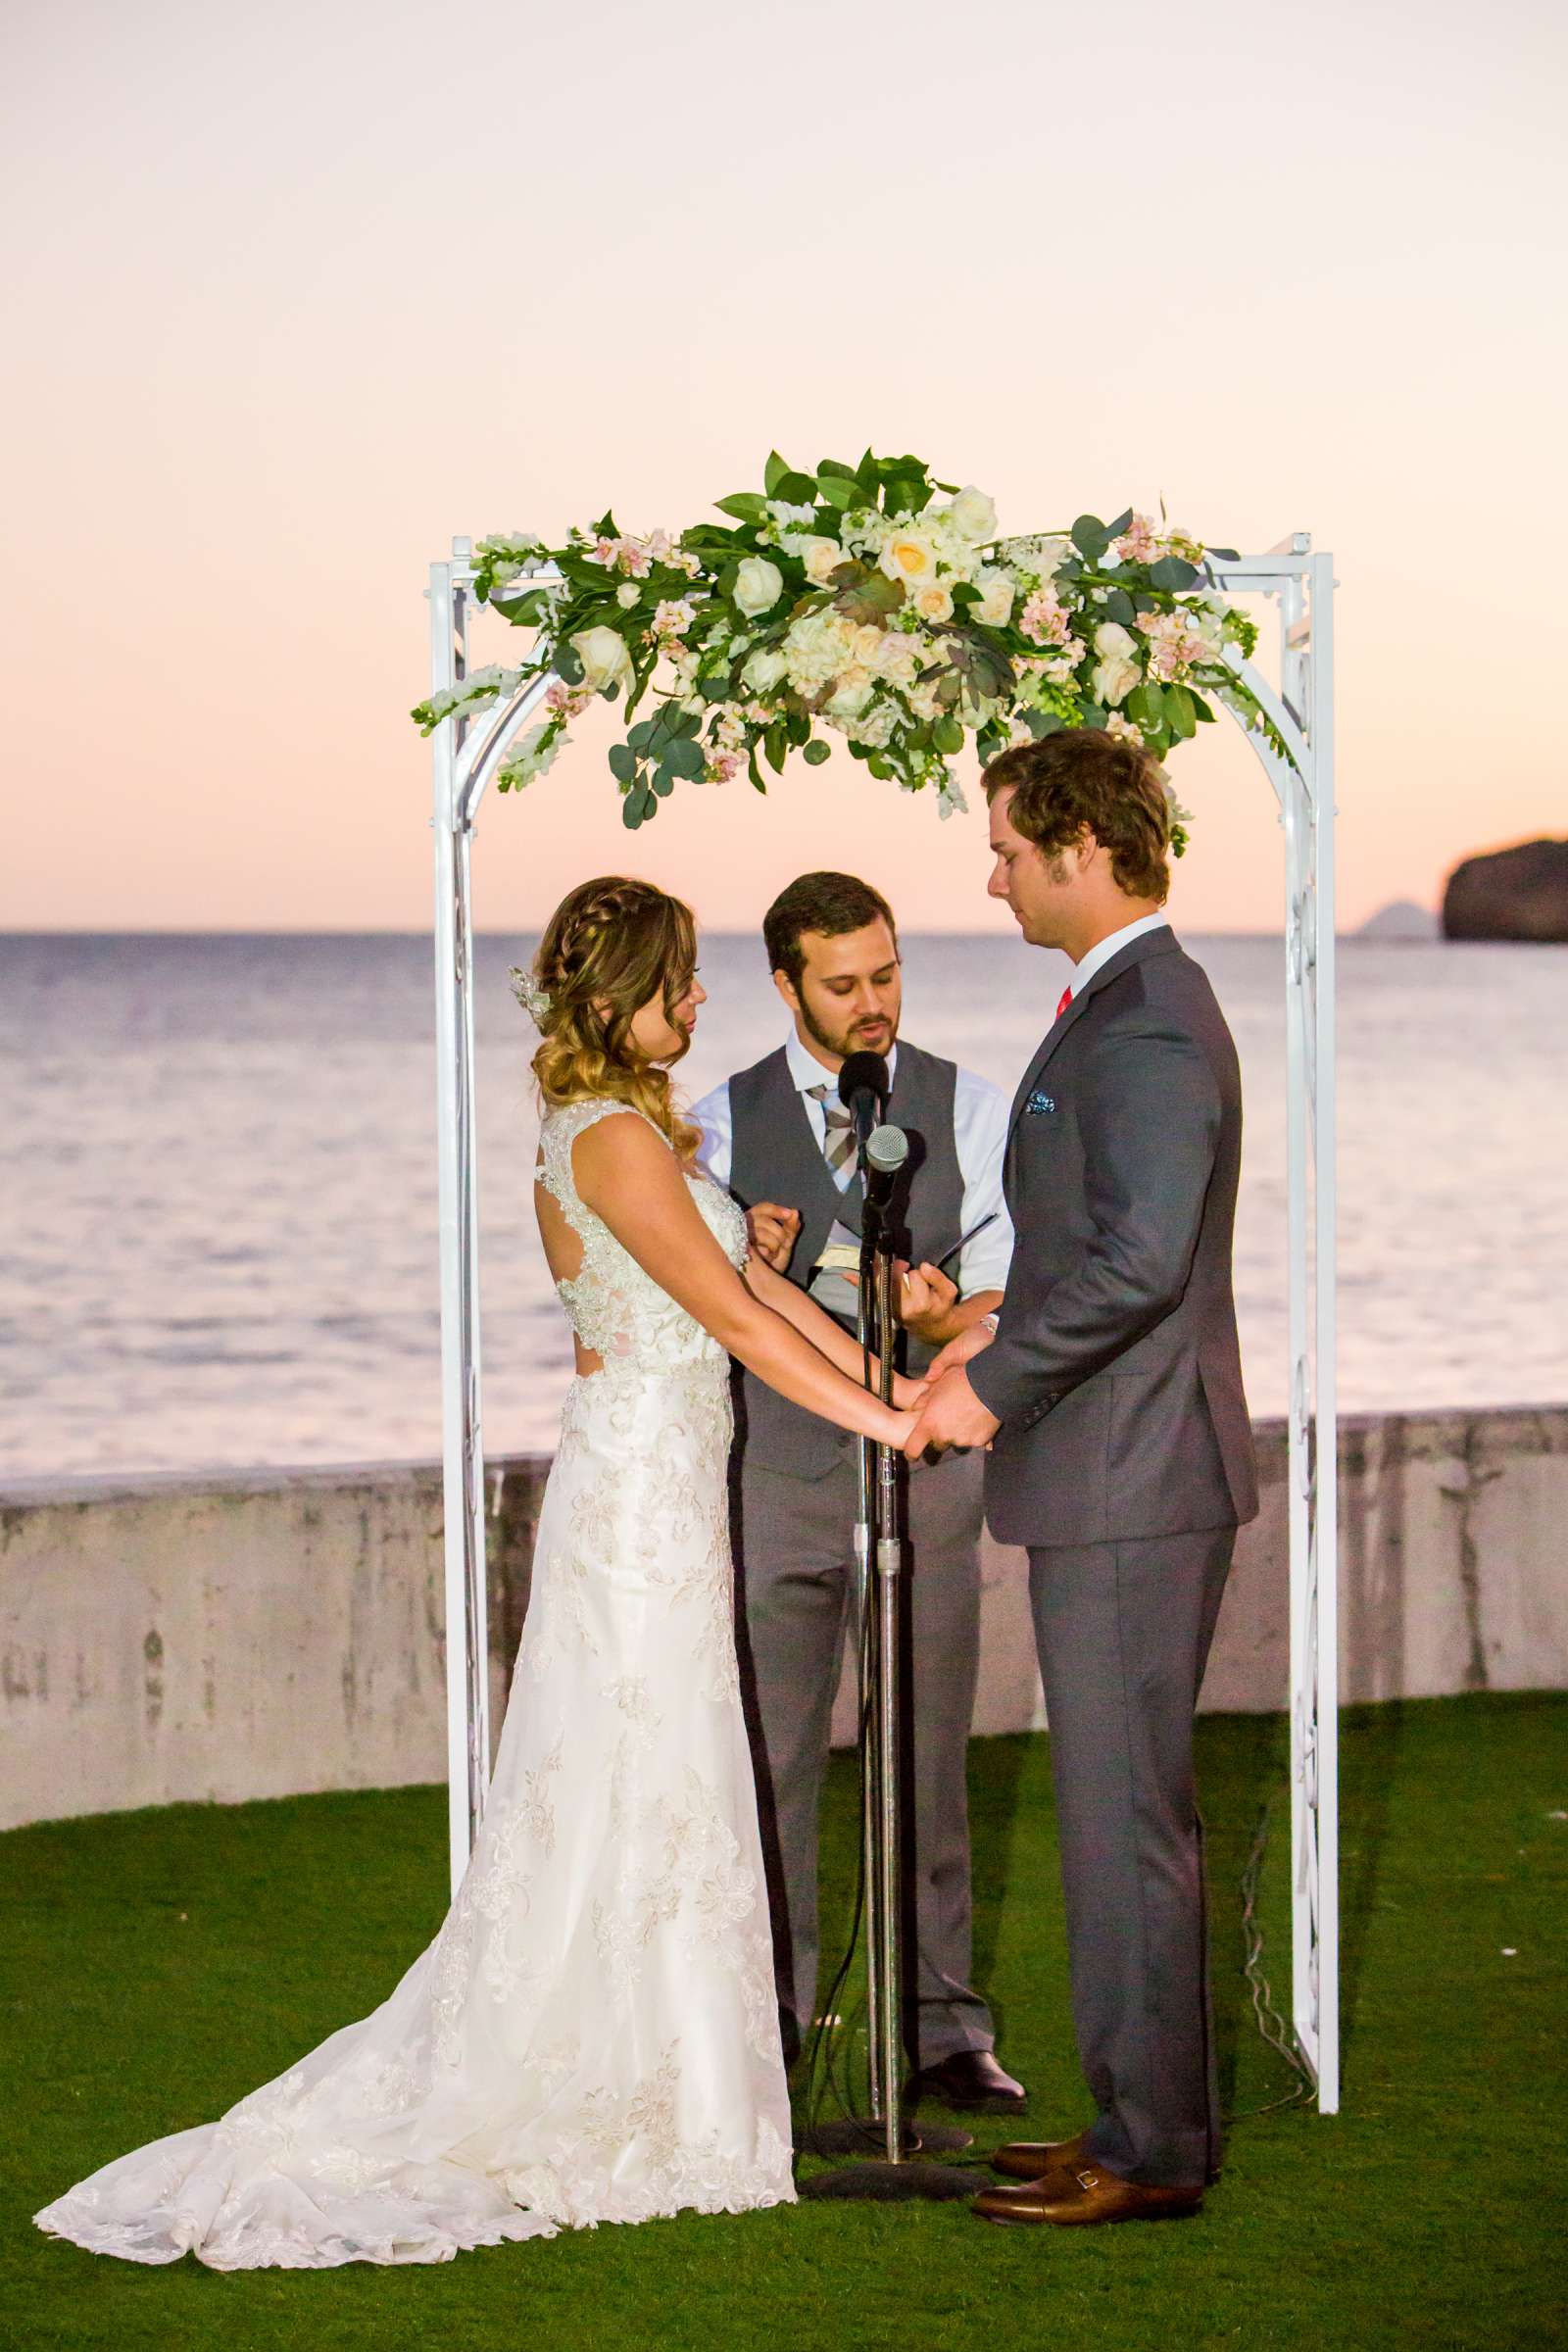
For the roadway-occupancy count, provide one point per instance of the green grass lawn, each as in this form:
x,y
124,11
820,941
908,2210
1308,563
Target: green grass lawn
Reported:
x,y
157,1965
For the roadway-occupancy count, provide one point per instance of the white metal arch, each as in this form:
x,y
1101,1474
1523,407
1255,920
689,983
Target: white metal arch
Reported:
x,y
466,754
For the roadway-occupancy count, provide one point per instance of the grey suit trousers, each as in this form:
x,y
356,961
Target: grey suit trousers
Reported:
x,y
794,1563
1124,1632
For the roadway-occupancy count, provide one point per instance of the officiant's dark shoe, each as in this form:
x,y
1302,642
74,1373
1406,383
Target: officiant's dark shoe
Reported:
x,y
1032,2159
971,2082
1078,2200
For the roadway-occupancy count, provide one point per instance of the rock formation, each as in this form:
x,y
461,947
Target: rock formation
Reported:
x,y
1511,893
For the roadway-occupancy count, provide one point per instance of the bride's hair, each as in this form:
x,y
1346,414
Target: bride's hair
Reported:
x,y
610,946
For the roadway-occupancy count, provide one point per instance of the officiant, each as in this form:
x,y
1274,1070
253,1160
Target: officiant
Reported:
x,y
777,1136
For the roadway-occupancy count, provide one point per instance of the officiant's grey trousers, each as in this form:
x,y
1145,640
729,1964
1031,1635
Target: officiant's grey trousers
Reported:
x,y
793,1557
1124,1632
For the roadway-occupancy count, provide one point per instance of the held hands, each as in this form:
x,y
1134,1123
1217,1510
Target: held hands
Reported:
x,y
772,1232
951,1414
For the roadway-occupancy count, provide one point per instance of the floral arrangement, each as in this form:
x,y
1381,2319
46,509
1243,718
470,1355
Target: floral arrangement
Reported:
x,y
869,602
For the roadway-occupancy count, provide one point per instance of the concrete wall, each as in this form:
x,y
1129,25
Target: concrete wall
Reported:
x,y
267,1632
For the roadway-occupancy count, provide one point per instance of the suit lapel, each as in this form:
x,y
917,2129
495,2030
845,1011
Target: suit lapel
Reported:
x,y
1137,950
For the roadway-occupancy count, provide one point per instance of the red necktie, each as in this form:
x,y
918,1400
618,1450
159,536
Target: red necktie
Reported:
x,y
1066,999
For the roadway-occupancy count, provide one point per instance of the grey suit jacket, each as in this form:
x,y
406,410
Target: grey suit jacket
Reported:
x,y
1116,1372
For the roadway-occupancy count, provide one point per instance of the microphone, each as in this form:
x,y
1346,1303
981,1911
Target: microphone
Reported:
x,y
886,1150
863,1092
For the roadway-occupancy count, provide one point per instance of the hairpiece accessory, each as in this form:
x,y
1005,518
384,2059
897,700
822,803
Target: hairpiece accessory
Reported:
x,y
534,1000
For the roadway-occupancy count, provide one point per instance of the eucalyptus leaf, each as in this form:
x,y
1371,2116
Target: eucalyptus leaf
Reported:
x,y
1041,724
948,734
640,735
1119,606
1090,714
568,665
685,757
1122,523
1172,574
663,782
815,752
631,812
622,762
1090,537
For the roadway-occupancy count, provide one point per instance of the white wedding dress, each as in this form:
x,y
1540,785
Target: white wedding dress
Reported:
x,y
593,2035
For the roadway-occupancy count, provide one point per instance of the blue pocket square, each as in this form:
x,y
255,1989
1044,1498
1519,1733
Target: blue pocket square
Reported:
x,y
1039,1103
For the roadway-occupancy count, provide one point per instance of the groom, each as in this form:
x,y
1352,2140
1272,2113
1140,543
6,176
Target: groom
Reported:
x,y
1108,1390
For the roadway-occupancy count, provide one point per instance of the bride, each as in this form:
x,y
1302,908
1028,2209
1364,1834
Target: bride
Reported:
x,y
592,2037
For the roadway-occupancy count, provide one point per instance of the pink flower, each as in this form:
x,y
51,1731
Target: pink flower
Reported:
x,y
1140,543
565,702
724,767
1123,729
1045,619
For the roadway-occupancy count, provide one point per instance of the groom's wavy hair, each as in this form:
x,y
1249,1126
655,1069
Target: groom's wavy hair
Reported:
x,y
1083,777
611,946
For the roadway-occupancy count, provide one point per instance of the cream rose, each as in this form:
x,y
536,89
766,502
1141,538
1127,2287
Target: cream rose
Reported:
x,y
758,585
996,592
933,602
909,556
821,557
974,517
604,657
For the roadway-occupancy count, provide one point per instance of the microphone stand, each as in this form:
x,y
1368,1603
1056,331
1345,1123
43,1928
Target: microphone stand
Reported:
x,y
880,1595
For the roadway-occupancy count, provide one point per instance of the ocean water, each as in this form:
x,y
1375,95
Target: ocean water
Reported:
x,y
217,1161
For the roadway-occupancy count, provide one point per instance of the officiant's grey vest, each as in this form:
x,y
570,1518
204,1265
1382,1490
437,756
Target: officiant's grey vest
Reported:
x,y
777,1156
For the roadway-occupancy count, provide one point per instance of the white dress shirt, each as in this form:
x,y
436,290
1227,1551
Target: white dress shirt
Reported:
x,y
1112,944
979,1135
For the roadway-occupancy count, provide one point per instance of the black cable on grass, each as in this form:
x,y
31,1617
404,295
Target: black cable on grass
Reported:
x,y
1270,2024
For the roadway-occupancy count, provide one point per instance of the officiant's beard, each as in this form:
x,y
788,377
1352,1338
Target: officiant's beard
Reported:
x,y
871,1034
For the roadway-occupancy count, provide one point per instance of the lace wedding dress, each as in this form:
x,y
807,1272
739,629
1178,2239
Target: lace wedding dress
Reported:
x,y
592,2037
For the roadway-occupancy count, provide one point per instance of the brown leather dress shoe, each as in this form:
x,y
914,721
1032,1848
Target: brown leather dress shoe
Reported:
x,y
1032,2159
1077,2200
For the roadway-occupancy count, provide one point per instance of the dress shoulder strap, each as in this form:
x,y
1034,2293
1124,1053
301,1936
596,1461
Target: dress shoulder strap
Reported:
x,y
561,1131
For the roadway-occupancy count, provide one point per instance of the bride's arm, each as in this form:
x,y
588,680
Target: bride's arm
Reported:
x,y
628,1176
815,1324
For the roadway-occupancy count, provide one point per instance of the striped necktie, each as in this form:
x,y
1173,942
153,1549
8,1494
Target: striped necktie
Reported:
x,y
838,1145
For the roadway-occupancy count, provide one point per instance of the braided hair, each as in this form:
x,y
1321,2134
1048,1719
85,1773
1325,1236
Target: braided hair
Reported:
x,y
610,947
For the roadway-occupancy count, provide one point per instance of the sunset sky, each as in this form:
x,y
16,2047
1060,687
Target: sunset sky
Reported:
x,y
300,291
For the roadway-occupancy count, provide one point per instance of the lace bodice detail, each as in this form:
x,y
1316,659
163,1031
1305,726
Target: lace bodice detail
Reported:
x,y
615,1310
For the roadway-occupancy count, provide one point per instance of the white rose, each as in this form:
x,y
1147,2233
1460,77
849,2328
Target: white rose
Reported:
x,y
974,515
996,592
933,602
764,670
604,657
852,689
865,644
758,585
626,595
922,700
1113,643
1114,680
1208,623
822,557
908,556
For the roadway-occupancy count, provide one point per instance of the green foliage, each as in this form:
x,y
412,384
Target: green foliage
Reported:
x,y
678,603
